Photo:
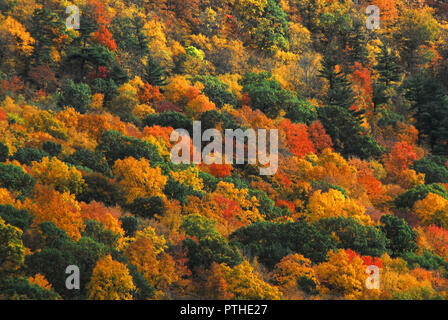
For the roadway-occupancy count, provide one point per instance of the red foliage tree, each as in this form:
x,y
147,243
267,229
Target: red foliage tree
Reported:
x,y
320,138
286,204
150,94
362,77
368,260
400,158
283,180
103,35
166,105
14,85
2,116
101,72
217,170
297,138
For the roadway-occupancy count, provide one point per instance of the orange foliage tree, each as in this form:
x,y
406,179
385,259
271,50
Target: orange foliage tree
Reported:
x,y
242,282
148,253
107,216
292,268
438,240
103,35
60,208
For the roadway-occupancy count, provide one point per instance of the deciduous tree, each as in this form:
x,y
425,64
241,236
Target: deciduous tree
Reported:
x,y
110,281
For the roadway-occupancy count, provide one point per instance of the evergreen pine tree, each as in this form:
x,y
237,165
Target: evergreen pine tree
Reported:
x,y
387,66
140,38
339,92
430,103
128,35
45,27
154,74
357,40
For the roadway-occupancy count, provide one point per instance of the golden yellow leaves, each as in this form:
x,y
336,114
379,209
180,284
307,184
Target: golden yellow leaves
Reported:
x,y
251,7
334,204
110,281
431,208
55,173
198,105
230,207
249,205
141,111
147,253
154,30
97,101
189,177
7,198
24,41
139,179
397,279
183,93
342,275
242,282
290,269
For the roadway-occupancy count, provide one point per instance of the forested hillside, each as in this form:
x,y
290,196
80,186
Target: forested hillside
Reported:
x,y
86,177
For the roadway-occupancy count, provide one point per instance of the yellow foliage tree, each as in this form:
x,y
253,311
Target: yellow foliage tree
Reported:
x,y
97,101
290,269
198,105
57,174
334,204
6,197
329,167
396,280
232,80
110,281
147,253
155,31
178,88
138,179
189,177
216,286
432,207
23,39
249,205
342,276
141,111
244,283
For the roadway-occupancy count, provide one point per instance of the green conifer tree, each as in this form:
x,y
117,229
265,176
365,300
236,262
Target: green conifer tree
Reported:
x,y
154,73
339,92
388,66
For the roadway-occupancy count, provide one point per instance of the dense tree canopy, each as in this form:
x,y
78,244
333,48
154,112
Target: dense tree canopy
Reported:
x,y
87,120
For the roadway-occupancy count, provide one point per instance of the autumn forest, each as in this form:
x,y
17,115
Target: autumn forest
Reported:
x,y
93,208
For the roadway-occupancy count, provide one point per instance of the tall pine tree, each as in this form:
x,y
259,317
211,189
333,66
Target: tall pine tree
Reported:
x,y
388,66
46,27
430,103
357,41
388,69
154,73
339,92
